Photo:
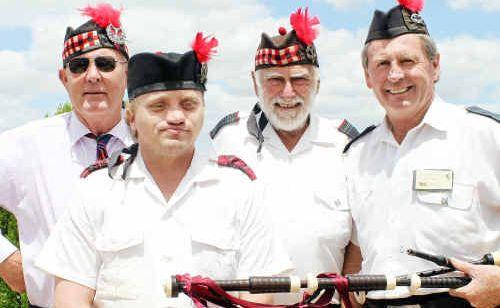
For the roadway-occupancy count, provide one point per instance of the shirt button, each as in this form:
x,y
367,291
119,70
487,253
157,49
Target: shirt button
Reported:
x,y
166,259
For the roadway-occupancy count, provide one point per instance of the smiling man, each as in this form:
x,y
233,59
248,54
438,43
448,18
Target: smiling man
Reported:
x,y
296,154
427,177
163,207
41,162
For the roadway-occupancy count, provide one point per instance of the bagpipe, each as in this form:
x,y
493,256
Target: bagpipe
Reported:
x,y
319,289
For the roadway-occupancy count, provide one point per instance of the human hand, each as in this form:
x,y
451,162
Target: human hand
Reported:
x,y
484,289
11,271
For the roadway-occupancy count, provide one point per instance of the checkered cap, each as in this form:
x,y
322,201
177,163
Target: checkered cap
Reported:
x,y
89,37
284,50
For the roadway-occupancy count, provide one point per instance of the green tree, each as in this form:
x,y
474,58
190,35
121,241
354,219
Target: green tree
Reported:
x,y
8,226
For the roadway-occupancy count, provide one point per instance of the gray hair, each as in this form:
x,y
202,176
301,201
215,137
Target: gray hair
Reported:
x,y
428,45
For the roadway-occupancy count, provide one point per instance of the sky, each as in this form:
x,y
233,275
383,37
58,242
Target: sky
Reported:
x,y
32,33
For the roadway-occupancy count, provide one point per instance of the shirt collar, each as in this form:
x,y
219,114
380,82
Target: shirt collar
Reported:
x,y
77,130
199,171
320,131
435,117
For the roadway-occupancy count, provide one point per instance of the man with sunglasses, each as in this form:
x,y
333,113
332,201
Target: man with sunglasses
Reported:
x,y
41,162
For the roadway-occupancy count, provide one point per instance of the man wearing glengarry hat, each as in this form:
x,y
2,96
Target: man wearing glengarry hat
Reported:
x,y
427,177
295,152
41,162
161,207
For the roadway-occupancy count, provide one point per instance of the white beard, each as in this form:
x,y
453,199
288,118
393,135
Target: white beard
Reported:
x,y
287,120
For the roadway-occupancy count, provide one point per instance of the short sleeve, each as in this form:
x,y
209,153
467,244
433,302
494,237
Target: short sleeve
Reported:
x,y
261,252
9,156
69,252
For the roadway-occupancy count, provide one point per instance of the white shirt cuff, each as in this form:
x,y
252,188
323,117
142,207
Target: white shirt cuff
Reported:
x,y
6,248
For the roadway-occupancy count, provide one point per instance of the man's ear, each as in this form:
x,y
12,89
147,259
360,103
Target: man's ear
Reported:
x,y
317,86
254,80
63,77
436,64
367,79
130,119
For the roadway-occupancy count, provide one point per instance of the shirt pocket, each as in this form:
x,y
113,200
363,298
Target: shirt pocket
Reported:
x,y
332,199
214,254
120,272
461,197
332,220
450,220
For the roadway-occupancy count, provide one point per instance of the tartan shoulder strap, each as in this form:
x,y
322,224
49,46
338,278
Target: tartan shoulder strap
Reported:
x,y
347,128
237,163
228,119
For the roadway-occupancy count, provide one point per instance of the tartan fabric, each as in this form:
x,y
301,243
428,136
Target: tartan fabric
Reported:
x,y
230,118
101,154
284,56
347,128
235,162
80,42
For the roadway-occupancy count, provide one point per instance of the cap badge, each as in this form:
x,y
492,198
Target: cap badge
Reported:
x,y
417,18
203,73
116,34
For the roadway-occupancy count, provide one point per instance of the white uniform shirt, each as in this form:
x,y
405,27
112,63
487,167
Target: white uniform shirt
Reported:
x,y
390,216
305,191
40,164
124,240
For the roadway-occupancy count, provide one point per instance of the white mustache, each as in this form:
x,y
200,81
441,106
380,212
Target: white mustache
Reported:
x,y
284,102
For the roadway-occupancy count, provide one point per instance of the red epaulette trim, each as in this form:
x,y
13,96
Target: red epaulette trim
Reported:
x,y
237,163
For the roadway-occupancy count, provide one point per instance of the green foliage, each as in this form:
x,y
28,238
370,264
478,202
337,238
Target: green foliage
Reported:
x,y
8,226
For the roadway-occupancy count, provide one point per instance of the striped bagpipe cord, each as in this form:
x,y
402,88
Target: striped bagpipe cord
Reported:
x,y
204,290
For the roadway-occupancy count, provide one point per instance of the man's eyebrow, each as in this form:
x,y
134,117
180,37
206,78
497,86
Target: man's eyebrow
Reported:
x,y
300,75
272,75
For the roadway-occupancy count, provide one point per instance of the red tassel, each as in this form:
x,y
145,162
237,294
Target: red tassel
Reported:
x,y
204,47
412,5
304,26
103,14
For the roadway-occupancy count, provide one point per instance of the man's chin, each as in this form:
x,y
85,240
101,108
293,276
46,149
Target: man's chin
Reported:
x,y
174,148
288,125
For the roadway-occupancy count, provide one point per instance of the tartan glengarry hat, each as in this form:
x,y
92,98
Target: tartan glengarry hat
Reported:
x,y
401,19
103,30
292,48
150,72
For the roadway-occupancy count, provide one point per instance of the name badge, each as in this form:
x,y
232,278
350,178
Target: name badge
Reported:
x,y
432,179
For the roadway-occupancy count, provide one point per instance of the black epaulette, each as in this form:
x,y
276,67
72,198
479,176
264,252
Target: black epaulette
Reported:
x,y
484,112
347,128
117,158
363,133
237,163
229,119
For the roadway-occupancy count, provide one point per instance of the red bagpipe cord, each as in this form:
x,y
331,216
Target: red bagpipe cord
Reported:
x,y
204,290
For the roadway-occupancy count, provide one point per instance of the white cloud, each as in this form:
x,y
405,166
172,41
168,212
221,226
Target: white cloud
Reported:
x,y
470,66
349,4
487,5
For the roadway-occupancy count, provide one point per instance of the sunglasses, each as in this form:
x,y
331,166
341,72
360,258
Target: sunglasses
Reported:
x,y
103,64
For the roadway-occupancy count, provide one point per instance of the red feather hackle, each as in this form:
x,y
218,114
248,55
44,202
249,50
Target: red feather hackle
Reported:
x,y
204,47
305,26
412,5
103,14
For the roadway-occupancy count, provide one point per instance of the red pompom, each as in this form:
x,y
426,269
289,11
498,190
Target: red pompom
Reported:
x,y
282,31
204,47
304,26
412,5
103,14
